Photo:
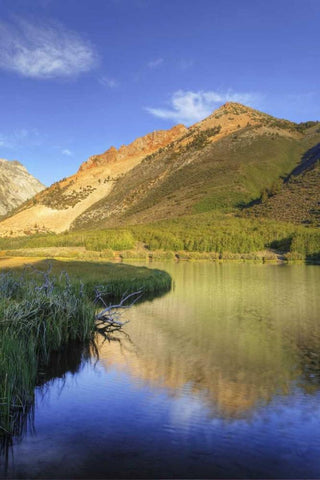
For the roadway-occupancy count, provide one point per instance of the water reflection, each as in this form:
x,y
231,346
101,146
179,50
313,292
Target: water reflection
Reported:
x,y
70,359
237,334
217,379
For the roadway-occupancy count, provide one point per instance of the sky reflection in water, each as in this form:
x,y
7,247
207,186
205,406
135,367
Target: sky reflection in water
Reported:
x,y
219,378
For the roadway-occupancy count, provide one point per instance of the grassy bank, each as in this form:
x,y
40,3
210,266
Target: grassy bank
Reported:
x,y
43,311
39,313
118,277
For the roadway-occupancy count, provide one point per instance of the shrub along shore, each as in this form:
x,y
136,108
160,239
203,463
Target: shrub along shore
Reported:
x,y
42,311
213,235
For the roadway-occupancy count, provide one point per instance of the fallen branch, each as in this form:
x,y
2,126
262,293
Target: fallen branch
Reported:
x,y
109,316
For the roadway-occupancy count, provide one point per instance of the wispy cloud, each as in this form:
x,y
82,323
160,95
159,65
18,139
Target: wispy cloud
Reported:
x,y
67,152
44,51
155,63
108,82
20,138
189,107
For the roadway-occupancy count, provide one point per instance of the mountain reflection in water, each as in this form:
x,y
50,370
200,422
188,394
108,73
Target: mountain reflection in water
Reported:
x,y
219,378
235,339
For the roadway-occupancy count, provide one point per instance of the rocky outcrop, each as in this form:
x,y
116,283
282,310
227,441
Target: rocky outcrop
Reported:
x,y
139,148
16,185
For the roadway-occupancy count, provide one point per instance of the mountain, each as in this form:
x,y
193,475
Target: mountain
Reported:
x,y
223,162
16,185
55,208
297,198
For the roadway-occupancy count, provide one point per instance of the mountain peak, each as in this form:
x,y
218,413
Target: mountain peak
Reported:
x,y
234,107
167,172
229,117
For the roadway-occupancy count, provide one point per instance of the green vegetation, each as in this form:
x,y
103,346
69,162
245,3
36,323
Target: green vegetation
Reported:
x,y
273,190
45,310
116,277
32,325
211,232
302,126
244,170
296,200
91,240
306,242
215,232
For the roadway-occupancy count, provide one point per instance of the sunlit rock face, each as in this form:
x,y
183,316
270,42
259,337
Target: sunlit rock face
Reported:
x,y
138,149
16,185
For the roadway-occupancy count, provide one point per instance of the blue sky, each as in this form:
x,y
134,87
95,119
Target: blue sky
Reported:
x,y
77,76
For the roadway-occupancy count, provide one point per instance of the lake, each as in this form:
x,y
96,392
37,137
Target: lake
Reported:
x,y
219,378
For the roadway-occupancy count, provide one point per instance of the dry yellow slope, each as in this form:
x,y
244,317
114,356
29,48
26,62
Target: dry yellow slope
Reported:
x,y
58,206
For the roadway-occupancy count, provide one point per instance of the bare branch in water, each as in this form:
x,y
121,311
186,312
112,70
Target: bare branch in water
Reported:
x,y
110,315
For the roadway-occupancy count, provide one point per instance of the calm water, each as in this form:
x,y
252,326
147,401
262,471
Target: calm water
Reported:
x,y
219,378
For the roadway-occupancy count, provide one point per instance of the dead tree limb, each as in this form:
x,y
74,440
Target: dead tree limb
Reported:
x,y
109,316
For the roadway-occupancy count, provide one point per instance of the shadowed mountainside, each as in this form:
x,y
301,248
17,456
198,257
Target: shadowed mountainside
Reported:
x,y
297,199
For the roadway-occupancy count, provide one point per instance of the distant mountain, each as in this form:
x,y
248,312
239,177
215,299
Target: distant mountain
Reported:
x,y
16,185
225,161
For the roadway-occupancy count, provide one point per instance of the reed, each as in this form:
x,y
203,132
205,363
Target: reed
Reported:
x,y
43,310
39,313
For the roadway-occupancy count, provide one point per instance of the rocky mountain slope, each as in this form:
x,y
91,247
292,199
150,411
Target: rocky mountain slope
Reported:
x,y
55,208
16,185
224,161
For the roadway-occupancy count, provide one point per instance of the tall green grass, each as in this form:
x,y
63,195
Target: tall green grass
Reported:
x,y
38,315
43,310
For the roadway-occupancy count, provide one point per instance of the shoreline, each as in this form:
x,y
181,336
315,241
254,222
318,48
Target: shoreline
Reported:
x,y
12,258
